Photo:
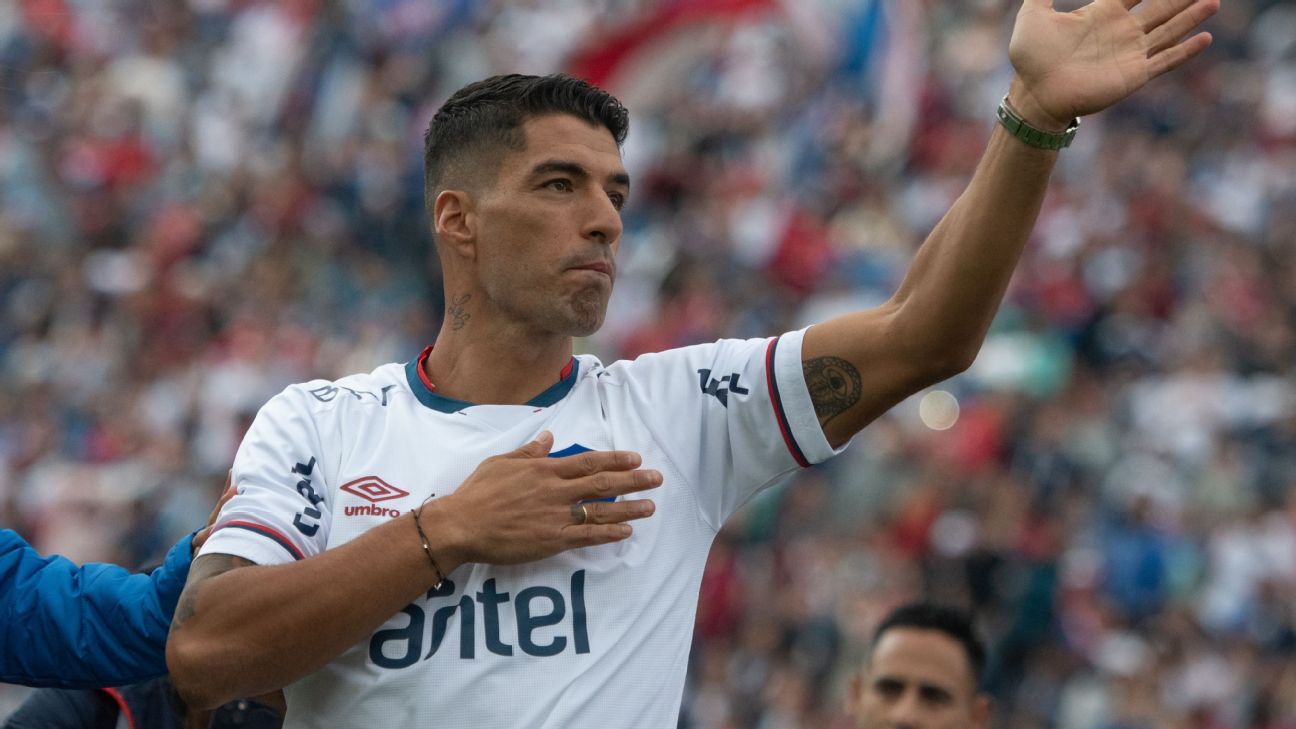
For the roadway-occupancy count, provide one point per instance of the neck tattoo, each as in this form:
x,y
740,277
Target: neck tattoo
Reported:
x,y
458,316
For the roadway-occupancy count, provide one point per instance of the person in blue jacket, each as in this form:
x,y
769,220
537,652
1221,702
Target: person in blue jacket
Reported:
x,y
87,626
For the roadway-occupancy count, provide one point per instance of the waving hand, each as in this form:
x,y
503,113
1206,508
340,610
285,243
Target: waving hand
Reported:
x,y
1072,64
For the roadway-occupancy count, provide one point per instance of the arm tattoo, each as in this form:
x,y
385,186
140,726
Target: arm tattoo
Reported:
x,y
834,386
203,569
457,312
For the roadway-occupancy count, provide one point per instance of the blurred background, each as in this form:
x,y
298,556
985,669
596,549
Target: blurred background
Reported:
x,y
202,201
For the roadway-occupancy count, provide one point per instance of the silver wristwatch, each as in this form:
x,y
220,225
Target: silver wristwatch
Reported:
x,y
1038,138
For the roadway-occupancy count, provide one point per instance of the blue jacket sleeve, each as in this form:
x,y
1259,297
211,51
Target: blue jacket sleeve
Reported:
x,y
96,625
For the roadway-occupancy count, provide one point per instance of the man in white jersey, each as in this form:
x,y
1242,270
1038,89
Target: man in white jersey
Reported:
x,y
519,595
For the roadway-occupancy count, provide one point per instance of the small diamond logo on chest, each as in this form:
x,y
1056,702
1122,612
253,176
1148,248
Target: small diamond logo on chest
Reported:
x,y
373,489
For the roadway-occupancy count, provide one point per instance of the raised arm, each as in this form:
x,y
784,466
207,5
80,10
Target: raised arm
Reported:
x,y
243,629
1067,65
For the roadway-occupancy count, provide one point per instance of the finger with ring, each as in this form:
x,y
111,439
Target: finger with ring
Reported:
x,y
580,512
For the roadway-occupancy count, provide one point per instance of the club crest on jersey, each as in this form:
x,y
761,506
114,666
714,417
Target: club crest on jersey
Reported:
x,y
373,490
572,450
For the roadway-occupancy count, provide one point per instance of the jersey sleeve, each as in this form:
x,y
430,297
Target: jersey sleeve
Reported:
x,y
732,416
280,512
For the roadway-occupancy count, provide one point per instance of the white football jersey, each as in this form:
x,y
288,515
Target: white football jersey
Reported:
x,y
595,637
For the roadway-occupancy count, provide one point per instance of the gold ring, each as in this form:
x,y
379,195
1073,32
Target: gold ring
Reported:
x,y
580,512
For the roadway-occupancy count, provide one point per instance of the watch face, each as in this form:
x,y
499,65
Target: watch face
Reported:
x,y
247,714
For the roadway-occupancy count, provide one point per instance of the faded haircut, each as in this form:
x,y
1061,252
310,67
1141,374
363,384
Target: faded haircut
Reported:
x,y
478,124
955,623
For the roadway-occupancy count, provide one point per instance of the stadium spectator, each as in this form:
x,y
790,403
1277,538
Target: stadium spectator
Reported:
x,y
923,671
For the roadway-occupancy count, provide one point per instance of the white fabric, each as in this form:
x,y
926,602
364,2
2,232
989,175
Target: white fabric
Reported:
x,y
594,637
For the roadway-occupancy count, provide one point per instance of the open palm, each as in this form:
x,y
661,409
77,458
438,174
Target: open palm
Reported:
x,y
1077,63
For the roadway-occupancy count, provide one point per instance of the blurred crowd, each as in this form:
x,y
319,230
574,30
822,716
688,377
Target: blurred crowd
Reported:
x,y
204,201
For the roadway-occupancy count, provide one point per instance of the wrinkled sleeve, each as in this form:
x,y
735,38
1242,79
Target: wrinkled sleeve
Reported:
x,y
89,626
280,512
734,416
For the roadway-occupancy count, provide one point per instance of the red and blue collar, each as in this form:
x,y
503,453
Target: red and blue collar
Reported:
x,y
426,392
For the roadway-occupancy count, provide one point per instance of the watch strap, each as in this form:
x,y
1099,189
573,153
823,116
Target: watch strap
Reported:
x,y
1032,136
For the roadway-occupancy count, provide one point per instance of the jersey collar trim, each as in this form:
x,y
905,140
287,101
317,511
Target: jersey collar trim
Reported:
x,y
427,394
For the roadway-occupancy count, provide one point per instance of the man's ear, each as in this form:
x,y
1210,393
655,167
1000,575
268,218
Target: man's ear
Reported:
x,y
454,220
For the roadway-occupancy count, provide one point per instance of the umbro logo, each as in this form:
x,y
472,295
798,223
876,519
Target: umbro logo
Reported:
x,y
373,489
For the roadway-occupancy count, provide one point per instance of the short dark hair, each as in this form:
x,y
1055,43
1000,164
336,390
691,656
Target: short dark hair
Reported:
x,y
955,623
484,119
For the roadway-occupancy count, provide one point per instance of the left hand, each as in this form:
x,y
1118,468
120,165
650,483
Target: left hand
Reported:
x,y
205,532
1072,64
